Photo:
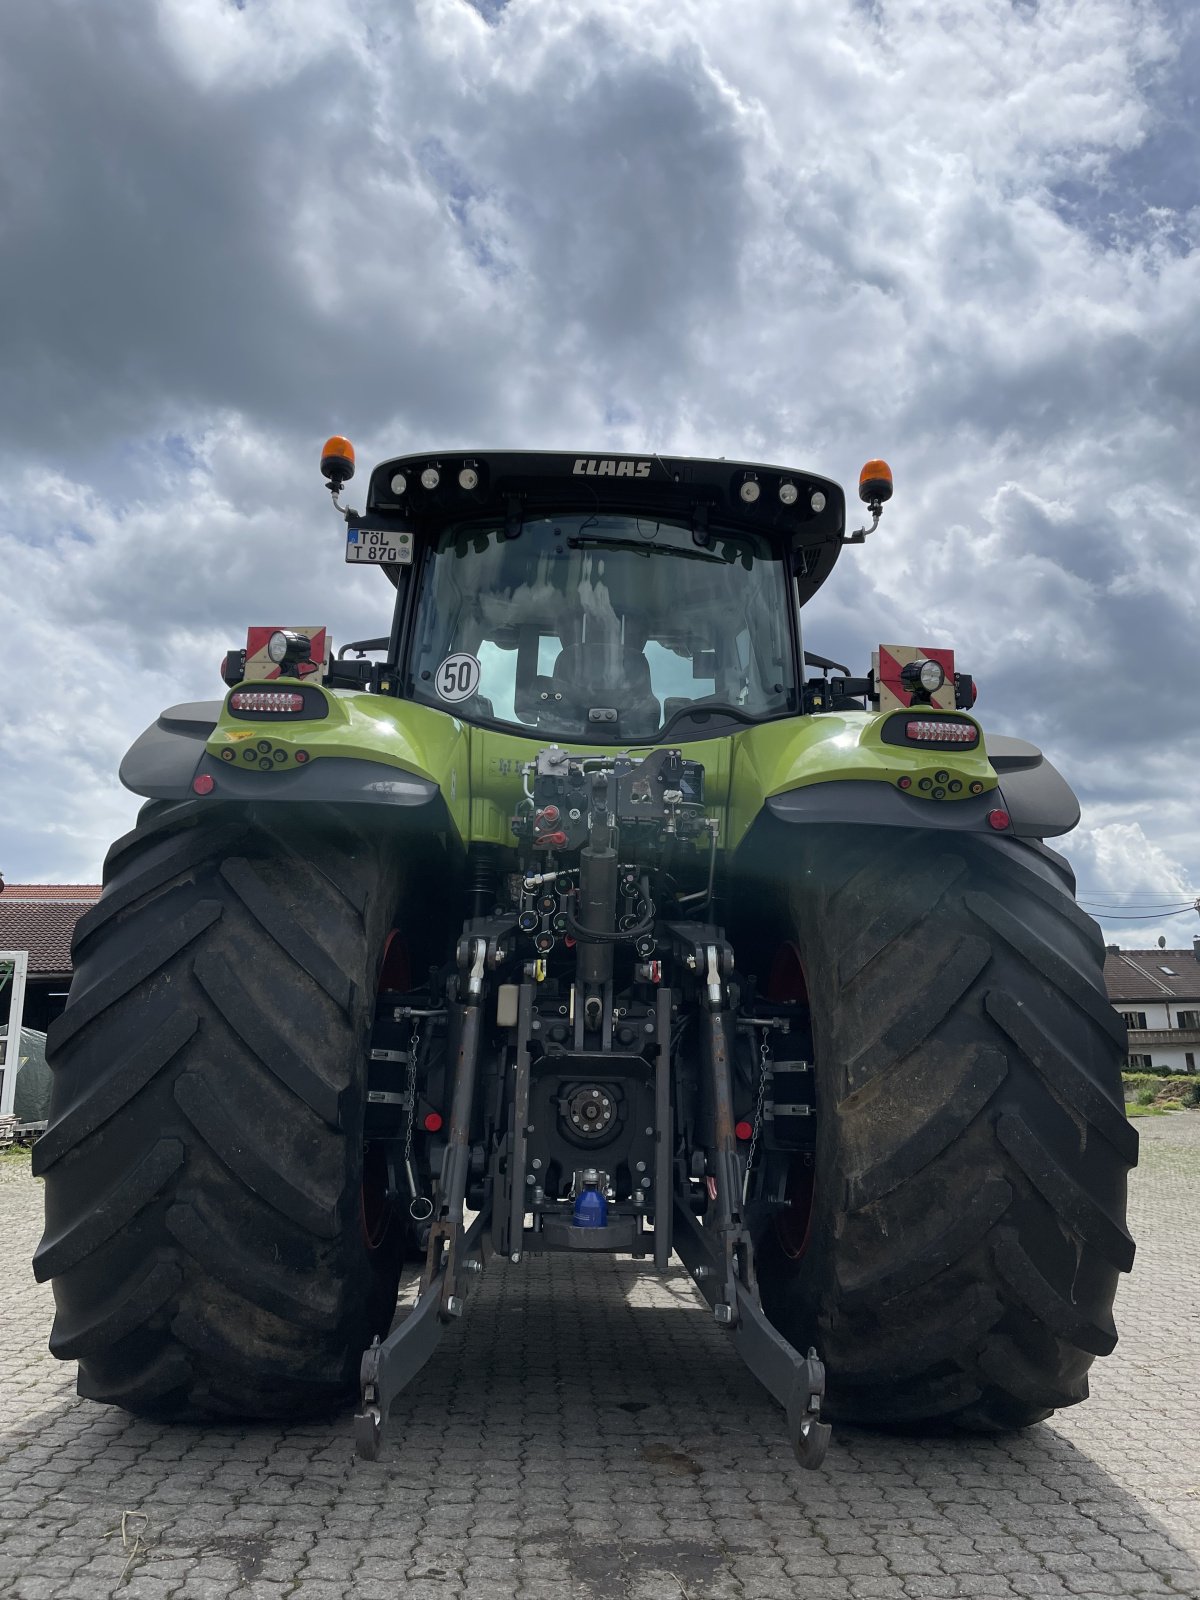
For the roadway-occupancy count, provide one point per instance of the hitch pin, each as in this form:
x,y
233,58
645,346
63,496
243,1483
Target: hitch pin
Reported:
x,y
713,976
475,977
420,1207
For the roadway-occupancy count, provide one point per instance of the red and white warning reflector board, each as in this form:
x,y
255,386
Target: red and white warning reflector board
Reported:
x,y
260,667
894,694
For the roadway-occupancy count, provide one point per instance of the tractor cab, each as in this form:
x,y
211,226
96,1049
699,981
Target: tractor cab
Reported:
x,y
596,600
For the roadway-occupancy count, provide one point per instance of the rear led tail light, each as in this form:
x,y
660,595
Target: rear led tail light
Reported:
x,y
928,730
266,700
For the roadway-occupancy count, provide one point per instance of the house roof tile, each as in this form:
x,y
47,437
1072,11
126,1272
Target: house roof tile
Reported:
x,y
1152,975
86,893
44,929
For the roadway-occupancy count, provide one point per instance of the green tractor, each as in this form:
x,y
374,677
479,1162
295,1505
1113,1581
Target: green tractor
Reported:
x,y
586,911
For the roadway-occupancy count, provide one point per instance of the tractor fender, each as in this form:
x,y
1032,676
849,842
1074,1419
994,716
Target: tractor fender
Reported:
x,y
165,761
1039,801
1037,797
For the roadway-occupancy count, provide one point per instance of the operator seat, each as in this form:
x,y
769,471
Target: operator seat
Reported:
x,y
608,674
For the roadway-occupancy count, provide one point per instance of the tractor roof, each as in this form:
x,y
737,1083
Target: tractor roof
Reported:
x,y
422,493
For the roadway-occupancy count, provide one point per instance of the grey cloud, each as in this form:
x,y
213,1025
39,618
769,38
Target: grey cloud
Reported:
x,y
140,238
634,197
157,234
1113,205
163,239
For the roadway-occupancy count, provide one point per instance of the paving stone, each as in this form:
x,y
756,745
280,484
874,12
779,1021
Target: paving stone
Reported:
x,y
511,1471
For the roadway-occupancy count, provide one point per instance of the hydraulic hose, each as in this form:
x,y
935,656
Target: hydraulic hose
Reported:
x,y
583,935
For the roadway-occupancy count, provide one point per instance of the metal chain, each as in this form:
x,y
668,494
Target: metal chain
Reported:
x,y
764,1056
413,1042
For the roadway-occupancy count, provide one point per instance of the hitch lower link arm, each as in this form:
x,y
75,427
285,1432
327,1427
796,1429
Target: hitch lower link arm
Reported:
x,y
388,1366
720,1255
797,1382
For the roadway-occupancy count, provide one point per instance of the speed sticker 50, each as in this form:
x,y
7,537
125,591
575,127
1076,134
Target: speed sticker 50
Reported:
x,y
458,677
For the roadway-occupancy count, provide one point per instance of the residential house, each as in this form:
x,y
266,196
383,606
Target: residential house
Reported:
x,y
1157,994
40,918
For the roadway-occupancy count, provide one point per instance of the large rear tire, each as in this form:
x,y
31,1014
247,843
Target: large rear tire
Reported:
x,y
204,1154
968,1218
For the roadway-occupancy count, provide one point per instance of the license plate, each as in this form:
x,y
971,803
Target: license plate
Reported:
x,y
379,548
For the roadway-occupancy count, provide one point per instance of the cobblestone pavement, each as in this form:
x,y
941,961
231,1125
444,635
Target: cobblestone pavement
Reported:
x,y
552,1450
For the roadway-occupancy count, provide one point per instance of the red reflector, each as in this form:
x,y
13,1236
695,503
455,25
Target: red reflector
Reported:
x,y
433,1121
203,784
266,700
999,819
942,732
743,1130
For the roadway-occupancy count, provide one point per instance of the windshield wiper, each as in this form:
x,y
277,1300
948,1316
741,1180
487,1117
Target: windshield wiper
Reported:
x,y
644,546
705,711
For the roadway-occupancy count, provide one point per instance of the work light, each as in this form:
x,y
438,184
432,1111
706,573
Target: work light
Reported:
x,y
288,649
928,676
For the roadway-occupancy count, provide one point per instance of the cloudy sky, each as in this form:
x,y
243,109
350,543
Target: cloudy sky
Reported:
x,y
962,236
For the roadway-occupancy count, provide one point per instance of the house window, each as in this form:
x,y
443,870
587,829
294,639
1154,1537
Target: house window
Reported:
x,y
1187,1019
1189,1060
1133,1019
1140,1063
